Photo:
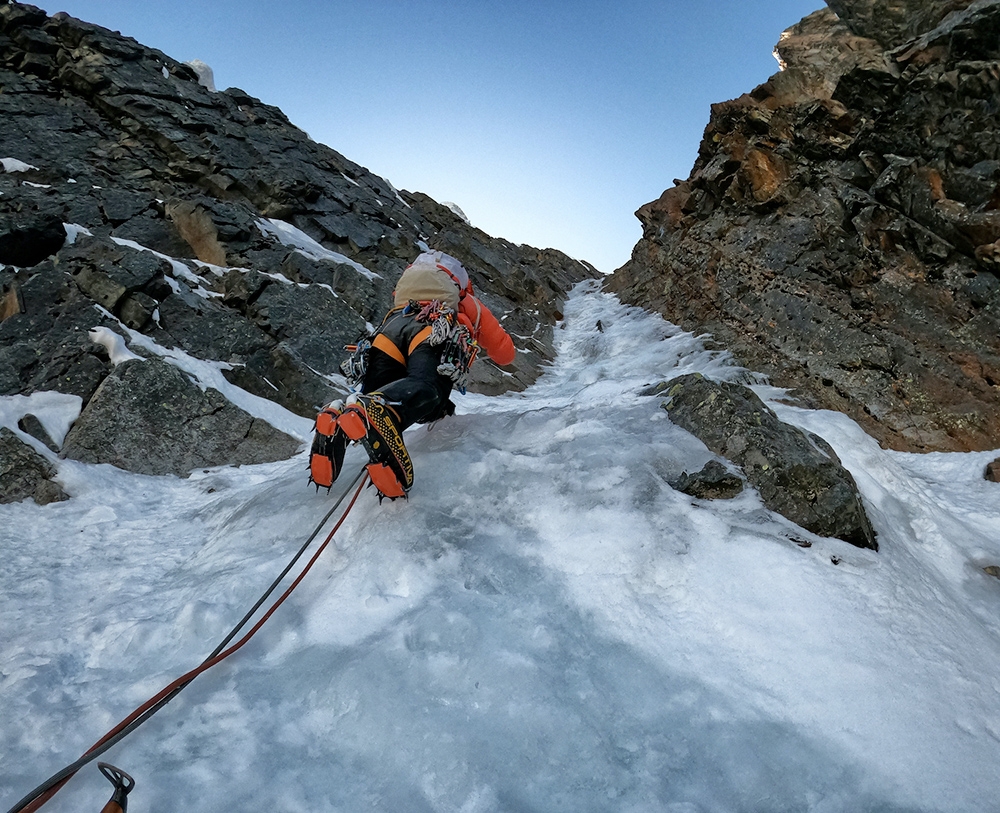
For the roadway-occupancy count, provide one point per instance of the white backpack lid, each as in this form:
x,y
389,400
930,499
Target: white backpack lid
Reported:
x,y
452,267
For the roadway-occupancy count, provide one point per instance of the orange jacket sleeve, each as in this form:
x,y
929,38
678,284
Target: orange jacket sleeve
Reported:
x,y
487,331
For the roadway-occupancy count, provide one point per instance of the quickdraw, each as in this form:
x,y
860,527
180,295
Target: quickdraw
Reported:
x,y
459,348
355,365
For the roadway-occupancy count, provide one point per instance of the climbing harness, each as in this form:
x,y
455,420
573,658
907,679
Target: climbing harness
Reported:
x,y
45,791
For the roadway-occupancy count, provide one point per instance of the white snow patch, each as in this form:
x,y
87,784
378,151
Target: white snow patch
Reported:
x,y
181,270
218,270
55,410
456,209
289,235
396,193
13,165
73,231
114,344
206,76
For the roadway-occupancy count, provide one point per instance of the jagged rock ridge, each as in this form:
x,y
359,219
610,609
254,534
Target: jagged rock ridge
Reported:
x,y
211,224
840,230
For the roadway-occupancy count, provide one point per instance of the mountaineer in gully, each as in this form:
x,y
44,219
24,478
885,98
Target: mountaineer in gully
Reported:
x,y
405,371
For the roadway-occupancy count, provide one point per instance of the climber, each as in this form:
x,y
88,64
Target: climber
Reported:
x,y
405,372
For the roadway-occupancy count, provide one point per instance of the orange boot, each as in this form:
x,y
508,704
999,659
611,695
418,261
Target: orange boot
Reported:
x,y
373,423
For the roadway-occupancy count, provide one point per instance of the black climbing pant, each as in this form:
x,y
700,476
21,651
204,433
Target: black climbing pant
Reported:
x,y
416,390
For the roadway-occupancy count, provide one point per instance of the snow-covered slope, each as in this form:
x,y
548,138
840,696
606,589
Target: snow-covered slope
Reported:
x,y
544,625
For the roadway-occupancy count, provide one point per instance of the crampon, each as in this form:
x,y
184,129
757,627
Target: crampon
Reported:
x,y
370,421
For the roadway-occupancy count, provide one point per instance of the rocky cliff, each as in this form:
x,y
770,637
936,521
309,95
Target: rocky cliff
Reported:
x,y
840,229
207,222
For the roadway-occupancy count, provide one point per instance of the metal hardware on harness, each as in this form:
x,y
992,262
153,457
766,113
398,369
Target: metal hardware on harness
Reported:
x,y
457,355
458,347
355,365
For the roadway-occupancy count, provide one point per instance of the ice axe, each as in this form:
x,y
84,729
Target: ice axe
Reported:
x,y
123,783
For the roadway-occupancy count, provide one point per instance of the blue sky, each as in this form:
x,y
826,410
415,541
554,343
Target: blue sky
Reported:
x,y
548,122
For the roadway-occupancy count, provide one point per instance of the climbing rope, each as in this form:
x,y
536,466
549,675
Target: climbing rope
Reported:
x,y
45,791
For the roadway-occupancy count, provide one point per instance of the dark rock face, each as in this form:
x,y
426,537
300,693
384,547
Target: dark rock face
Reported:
x,y
148,417
25,474
130,147
894,22
798,476
840,230
46,347
30,239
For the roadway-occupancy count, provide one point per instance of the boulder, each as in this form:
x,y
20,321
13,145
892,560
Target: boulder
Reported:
x,y
993,471
713,482
46,346
894,22
797,475
148,417
258,362
313,322
106,271
31,425
24,473
816,52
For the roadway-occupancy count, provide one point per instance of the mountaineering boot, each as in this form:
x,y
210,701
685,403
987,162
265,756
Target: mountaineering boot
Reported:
x,y
370,421
326,458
